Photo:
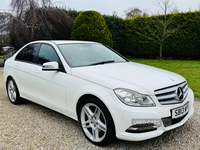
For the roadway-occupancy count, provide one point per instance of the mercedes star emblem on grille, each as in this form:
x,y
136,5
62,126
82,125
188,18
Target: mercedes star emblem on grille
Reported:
x,y
180,93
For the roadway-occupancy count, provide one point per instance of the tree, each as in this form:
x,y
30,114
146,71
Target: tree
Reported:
x,y
175,10
50,24
134,11
159,28
33,22
21,6
5,19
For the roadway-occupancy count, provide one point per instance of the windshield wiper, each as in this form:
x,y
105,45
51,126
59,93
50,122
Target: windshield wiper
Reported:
x,y
102,62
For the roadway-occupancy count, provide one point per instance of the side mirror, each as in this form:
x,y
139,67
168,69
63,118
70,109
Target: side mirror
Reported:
x,y
50,66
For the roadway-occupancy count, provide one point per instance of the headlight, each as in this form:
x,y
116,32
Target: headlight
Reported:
x,y
133,98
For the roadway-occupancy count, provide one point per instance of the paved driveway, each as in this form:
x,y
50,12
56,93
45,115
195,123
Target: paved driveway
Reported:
x,y
31,126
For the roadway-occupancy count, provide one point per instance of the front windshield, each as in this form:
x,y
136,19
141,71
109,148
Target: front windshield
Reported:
x,y
78,55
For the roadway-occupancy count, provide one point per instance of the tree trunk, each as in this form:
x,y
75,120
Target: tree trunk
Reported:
x,y
161,44
32,32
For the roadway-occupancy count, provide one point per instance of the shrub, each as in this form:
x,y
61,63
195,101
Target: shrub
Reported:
x,y
91,26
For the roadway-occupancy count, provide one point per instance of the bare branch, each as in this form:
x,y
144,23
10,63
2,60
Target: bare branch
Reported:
x,y
158,28
45,2
165,5
5,19
21,6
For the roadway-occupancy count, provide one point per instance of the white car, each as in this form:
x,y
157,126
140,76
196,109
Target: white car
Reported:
x,y
109,95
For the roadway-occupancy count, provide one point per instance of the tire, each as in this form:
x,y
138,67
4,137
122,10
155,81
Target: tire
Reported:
x,y
96,122
12,91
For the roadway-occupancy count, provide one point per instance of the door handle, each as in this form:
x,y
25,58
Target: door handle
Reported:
x,y
16,65
36,71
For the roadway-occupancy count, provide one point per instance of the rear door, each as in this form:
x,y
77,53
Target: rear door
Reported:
x,y
24,70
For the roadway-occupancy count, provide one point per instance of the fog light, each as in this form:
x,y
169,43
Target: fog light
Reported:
x,y
141,128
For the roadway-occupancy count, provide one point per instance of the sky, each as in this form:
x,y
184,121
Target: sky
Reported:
x,y
118,6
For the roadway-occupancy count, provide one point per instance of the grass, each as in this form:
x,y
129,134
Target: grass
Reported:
x,y
1,57
189,69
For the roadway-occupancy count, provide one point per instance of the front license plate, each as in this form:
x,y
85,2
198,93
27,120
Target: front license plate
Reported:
x,y
180,111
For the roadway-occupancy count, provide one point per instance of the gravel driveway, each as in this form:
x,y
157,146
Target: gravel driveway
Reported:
x,y
1,62
33,127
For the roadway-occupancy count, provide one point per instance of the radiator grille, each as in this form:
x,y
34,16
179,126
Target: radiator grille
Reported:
x,y
168,95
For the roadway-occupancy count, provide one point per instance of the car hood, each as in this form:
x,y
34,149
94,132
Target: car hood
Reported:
x,y
138,77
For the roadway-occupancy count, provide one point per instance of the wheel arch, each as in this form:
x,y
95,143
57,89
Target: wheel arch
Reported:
x,y
84,97
7,79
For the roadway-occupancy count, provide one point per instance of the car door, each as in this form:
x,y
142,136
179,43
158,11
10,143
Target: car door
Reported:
x,y
50,89
24,70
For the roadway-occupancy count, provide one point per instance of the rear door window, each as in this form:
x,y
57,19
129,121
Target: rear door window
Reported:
x,y
28,54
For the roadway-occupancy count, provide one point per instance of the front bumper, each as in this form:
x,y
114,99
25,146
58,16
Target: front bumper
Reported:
x,y
123,117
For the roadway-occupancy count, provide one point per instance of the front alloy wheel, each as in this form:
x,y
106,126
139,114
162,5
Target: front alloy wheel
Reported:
x,y
93,122
96,122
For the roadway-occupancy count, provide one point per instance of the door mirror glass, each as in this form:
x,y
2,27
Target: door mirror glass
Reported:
x,y
50,66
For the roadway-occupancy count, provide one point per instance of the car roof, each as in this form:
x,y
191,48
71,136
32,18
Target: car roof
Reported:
x,y
64,42
69,41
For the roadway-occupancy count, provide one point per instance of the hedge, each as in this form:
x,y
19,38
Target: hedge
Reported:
x,y
116,26
183,44
72,13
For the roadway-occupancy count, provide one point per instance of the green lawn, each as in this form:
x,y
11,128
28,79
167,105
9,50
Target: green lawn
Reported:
x,y
189,69
1,56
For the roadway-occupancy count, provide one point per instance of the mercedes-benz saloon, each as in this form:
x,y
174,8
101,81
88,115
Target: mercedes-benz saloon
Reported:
x,y
110,96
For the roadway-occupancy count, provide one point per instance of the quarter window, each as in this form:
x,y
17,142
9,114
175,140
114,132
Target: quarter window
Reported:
x,y
29,53
19,55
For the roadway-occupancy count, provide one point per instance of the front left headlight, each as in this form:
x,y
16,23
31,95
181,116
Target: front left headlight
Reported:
x,y
133,98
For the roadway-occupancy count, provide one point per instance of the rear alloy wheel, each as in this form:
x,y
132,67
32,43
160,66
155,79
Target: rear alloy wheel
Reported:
x,y
96,122
13,93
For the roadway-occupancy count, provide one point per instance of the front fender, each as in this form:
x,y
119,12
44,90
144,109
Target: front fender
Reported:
x,y
74,92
